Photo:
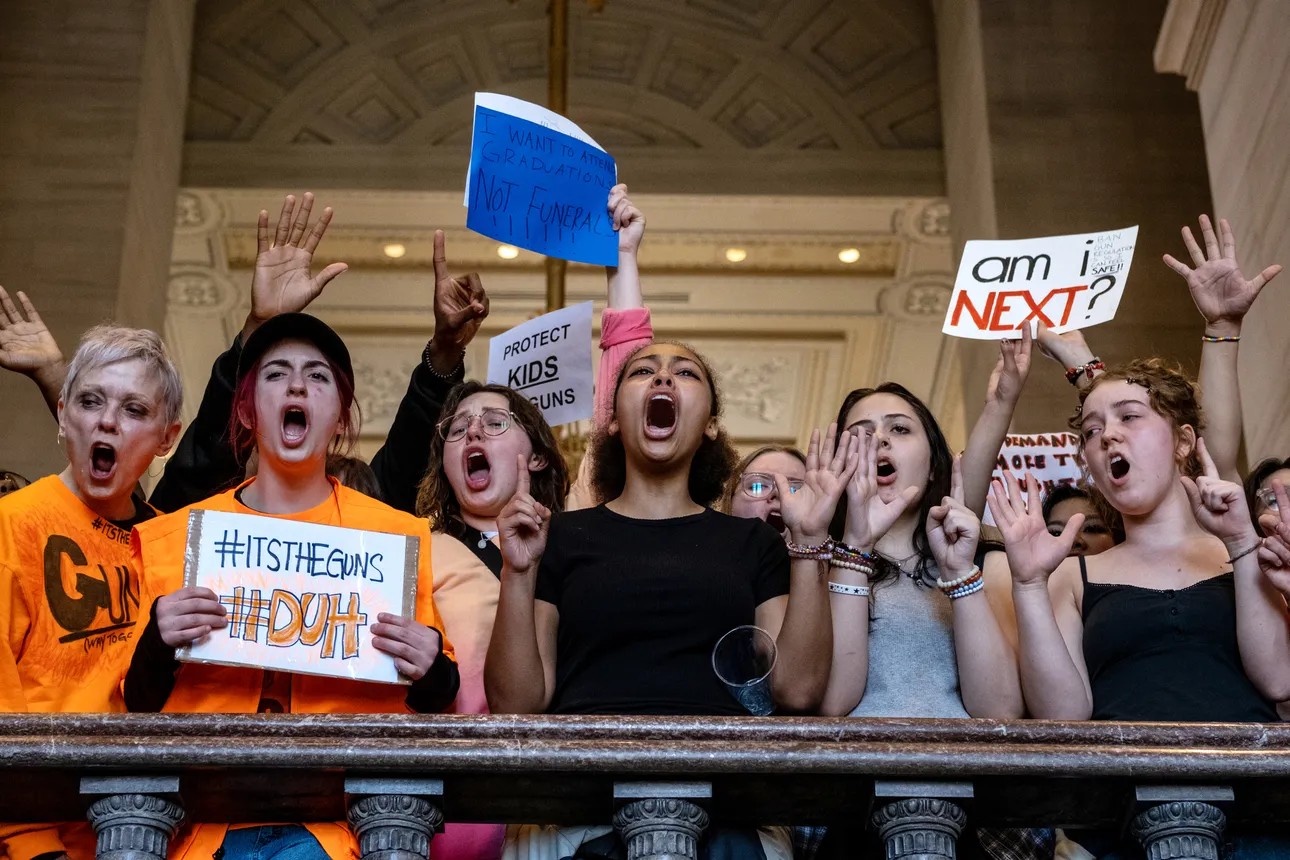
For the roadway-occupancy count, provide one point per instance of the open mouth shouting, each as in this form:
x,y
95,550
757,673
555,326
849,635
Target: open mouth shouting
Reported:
x,y
102,461
886,472
775,521
476,468
660,415
1119,469
295,426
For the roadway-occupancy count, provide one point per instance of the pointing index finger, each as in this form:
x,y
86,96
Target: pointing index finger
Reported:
x,y
522,485
1206,462
440,258
956,479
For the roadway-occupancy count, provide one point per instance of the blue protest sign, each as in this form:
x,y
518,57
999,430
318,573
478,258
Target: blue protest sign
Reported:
x,y
540,189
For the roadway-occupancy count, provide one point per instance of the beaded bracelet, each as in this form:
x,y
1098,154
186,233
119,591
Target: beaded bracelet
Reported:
x,y
1213,338
822,552
964,590
846,552
857,566
961,589
450,376
1074,373
943,585
853,590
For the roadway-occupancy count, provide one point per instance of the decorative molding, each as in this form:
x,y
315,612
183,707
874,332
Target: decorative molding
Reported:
x,y
1180,831
134,826
394,826
1186,38
661,829
921,828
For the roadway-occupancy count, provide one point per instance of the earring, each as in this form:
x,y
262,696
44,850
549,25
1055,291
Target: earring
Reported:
x,y
59,439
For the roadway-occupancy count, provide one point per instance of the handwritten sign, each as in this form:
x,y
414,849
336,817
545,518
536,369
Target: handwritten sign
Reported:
x,y
548,359
1065,282
533,184
1053,458
300,597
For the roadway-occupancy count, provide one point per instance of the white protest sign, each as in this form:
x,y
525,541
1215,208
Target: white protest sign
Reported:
x,y
300,597
530,112
1065,282
548,360
1053,458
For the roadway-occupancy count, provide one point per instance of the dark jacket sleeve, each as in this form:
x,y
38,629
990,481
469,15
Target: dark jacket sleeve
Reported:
x,y
204,464
401,462
436,689
151,676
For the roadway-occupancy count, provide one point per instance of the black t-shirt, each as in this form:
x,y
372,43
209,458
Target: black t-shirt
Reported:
x,y
643,602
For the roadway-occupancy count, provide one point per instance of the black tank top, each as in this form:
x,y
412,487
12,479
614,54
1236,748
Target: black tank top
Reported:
x,y
1167,656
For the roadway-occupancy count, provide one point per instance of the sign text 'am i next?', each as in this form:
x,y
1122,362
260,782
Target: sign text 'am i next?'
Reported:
x,y
539,182
548,360
300,597
1064,282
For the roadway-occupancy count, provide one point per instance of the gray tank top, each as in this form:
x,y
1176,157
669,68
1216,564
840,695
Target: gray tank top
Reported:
x,y
912,670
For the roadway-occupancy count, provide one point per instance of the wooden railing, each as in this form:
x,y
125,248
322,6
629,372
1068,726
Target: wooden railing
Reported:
x,y
660,780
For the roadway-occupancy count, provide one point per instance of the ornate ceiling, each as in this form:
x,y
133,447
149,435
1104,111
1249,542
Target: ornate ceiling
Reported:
x,y
836,95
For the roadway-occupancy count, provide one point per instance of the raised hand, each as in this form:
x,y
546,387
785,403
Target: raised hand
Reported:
x,y
1033,553
522,525
1069,349
460,307
1010,369
1221,293
1219,506
953,530
1274,554
26,346
628,221
413,645
868,516
808,511
186,615
283,282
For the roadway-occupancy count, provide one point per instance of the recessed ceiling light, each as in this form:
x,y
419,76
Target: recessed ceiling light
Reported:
x,y
394,250
736,255
508,252
849,255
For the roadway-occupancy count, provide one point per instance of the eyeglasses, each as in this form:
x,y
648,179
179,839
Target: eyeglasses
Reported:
x,y
494,422
759,485
1268,497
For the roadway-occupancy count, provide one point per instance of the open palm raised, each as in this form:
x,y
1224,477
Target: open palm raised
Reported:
x,y
1220,291
868,516
1033,553
808,511
26,346
283,282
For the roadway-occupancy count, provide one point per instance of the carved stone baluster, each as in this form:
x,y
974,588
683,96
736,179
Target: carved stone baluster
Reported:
x,y
134,818
394,819
1181,830
923,824
661,821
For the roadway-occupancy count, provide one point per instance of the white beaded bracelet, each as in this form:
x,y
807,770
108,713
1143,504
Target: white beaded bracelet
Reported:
x,y
857,566
943,585
853,590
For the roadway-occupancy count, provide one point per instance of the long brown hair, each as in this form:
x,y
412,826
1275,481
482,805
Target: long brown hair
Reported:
x,y
710,469
435,497
732,485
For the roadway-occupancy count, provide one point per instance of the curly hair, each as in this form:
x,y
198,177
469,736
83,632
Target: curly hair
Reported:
x,y
1172,394
710,469
435,497
938,479
732,485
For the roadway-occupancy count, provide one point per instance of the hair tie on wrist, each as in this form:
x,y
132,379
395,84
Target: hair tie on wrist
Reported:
x,y
1214,338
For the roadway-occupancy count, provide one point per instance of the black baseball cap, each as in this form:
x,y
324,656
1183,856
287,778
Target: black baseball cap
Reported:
x,y
294,327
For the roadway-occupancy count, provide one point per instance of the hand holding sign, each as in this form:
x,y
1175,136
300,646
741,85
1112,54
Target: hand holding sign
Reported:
x,y
628,221
186,615
522,525
1010,370
282,282
413,645
460,307
1220,291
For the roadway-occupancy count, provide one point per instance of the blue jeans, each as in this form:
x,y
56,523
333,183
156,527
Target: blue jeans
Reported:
x,y
271,842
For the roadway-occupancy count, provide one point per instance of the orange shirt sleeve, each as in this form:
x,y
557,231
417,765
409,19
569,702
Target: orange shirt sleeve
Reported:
x,y
15,621
427,611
